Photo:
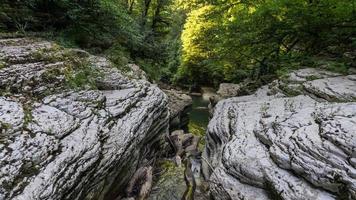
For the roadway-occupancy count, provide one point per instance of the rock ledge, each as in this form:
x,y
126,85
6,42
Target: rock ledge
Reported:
x,y
57,142
273,145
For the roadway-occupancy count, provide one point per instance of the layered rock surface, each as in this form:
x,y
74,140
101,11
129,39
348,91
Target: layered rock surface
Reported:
x,y
60,143
179,105
292,139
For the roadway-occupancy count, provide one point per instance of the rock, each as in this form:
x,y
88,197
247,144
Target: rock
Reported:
x,y
191,146
130,198
171,184
189,180
177,138
350,58
207,92
352,70
186,150
197,94
178,160
22,50
179,106
333,89
141,183
136,72
227,90
270,145
194,181
184,143
57,142
306,74
308,81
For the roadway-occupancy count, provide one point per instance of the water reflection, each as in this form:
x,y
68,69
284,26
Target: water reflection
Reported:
x,y
200,112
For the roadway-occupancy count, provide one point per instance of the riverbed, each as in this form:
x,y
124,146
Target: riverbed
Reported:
x,y
171,184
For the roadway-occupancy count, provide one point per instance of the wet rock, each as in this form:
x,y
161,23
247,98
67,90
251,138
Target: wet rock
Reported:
x,y
57,142
270,145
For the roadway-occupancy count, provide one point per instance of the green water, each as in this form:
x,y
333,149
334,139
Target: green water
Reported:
x,y
200,112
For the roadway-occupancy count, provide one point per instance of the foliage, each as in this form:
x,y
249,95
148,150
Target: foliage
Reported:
x,y
78,72
138,31
196,42
83,75
232,40
88,23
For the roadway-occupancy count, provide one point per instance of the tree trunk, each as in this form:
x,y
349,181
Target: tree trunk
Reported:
x,y
145,8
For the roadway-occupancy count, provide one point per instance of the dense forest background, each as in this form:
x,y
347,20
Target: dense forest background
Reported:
x,y
197,42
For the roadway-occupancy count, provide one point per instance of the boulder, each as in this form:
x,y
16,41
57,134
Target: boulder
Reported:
x,y
273,145
65,138
184,143
227,90
207,93
179,105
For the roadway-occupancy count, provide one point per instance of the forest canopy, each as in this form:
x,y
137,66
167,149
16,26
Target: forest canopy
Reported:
x,y
233,40
197,42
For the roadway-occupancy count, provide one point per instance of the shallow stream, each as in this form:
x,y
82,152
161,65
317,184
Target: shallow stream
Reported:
x,y
171,184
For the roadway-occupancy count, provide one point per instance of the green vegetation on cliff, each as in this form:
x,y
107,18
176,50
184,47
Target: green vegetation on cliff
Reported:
x,y
198,42
232,40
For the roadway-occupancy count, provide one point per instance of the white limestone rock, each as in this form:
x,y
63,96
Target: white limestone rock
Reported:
x,y
72,144
342,88
267,146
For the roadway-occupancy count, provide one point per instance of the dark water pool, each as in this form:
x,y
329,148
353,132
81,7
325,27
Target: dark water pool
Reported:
x,y
200,112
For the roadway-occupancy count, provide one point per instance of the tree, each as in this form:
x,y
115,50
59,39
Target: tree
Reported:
x,y
239,38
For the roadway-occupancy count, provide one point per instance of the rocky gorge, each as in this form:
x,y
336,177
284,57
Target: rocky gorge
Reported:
x,y
74,126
